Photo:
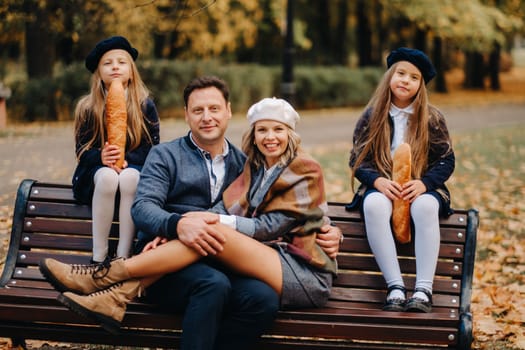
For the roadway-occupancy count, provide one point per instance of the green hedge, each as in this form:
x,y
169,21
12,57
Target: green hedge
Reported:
x,y
316,87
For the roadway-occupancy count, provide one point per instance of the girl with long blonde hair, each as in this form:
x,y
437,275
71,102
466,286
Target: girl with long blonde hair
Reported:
x,y
97,180
397,113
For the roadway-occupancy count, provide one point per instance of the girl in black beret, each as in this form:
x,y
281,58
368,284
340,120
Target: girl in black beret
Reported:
x,y
97,180
399,112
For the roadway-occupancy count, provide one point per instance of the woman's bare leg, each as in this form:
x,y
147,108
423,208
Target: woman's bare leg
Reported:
x,y
250,257
241,253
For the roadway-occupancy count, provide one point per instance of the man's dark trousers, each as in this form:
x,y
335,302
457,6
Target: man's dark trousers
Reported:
x,y
222,310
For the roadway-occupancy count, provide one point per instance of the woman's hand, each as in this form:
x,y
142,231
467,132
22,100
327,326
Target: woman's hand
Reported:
x,y
389,188
109,156
412,189
329,239
155,243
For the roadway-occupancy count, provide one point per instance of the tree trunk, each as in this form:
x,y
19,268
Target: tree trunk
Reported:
x,y
40,46
420,40
65,43
474,71
364,35
494,67
40,58
437,58
324,46
341,46
382,34
158,44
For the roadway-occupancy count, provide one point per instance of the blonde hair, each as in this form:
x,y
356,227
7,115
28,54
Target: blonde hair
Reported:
x,y
378,136
257,158
90,109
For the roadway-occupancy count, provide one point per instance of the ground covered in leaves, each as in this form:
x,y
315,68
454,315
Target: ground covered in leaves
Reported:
x,y
490,177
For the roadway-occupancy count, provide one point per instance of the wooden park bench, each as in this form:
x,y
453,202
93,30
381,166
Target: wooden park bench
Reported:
x,y
47,222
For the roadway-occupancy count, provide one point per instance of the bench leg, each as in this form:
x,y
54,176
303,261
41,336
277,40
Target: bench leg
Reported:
x,y
465,331
18,343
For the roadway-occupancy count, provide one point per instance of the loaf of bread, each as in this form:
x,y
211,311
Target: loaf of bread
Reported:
x,y
401,171
117,118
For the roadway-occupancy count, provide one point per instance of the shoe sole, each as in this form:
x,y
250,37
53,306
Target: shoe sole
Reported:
x,y
54,281
399,308
105,322
418,307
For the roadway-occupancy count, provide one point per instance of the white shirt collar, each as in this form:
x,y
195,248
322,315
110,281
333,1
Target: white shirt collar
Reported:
x,y
396,111
225,149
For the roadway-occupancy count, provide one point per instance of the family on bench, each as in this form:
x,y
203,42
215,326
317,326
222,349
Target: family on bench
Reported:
x,y
235,240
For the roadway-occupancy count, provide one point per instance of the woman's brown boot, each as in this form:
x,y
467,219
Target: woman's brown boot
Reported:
x,y
106,306
84,279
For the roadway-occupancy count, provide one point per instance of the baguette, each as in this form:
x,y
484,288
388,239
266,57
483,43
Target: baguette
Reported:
x,y
401,171
117,118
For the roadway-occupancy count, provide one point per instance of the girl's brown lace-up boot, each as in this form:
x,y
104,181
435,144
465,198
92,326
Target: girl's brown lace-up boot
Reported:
x,y
106,306
84,279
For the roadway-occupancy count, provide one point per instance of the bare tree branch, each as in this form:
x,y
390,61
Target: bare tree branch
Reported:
x,y
203,8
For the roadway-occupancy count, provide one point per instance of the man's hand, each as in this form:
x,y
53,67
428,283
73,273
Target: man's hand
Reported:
x,y
209,217
197,230
329,239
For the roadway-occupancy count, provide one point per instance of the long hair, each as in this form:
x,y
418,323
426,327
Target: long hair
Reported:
x,y
90,109
378,136
257,158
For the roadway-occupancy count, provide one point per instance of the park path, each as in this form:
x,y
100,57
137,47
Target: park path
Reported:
x,y
45,152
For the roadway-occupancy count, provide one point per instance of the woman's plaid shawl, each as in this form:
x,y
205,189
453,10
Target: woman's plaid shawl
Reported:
x,y
299,192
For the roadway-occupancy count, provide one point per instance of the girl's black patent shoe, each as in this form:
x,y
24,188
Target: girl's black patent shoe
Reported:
x,y
419,305
395,304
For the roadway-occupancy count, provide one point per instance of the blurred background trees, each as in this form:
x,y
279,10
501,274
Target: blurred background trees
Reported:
x,y
43,44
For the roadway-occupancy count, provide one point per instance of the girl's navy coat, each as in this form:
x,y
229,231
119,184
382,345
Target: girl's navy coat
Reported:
x,y
441,161
91,161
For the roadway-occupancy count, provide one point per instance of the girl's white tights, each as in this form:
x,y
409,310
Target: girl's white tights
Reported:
x,y
107,182
424,211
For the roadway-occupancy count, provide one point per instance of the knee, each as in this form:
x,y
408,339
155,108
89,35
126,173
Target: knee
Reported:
x,y
376,206
268,302
106,181
128,181
258,299
425,206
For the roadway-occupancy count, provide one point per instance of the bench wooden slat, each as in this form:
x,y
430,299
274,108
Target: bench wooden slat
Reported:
x,y
375,281
360,245
366,331
61,226
54,193
60,210
47,222
58,242
57,226
408,265
33,257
